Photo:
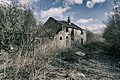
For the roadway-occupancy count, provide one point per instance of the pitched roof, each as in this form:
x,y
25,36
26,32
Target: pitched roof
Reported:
x,y
64,23
71,25
52,26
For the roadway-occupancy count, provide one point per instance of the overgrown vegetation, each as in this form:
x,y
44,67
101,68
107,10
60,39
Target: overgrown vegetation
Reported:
x,y
45,61
19,57
16,26
112,33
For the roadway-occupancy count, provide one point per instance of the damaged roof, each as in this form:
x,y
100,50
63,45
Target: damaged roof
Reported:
x,y
51,26
64,23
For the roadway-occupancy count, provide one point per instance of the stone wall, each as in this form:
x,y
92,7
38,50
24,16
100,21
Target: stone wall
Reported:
x,y
63,38
84,36
77,36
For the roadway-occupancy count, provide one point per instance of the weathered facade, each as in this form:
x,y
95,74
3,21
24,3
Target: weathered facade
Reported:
x,y
64,33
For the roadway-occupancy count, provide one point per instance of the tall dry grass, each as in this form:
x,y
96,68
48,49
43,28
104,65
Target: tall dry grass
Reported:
x,y
30,65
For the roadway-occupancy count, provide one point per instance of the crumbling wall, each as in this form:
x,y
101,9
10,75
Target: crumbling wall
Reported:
x,y
77,36
63,39
84,36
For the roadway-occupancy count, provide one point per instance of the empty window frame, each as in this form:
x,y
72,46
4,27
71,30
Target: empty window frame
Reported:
x,y
60,38
81,40
66,37
81,32
67,30
72,34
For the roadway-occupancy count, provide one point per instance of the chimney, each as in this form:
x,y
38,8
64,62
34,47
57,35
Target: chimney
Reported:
x,y
68,21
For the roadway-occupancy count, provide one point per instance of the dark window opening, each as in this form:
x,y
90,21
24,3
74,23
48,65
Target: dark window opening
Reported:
x,y
72,34
66,37
81,32
67,30
81,40
60,38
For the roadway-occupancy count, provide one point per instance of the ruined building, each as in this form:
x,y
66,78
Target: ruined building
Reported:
x,y
64,33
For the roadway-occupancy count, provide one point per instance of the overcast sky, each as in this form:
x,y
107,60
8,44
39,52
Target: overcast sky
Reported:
x,y
88,14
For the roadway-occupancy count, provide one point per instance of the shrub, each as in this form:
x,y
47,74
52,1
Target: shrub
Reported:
x,y
112,33
98,47
16,26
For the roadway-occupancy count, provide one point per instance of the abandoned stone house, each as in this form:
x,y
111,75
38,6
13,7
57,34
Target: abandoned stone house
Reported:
x,y
64,33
